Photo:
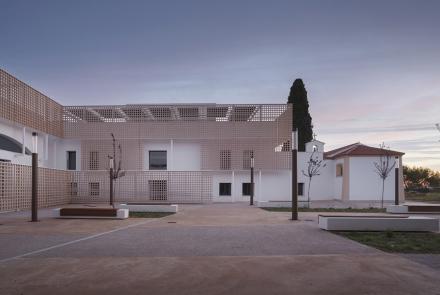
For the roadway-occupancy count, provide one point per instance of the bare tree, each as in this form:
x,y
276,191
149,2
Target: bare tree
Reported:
x,y
115,170
313,169
384,167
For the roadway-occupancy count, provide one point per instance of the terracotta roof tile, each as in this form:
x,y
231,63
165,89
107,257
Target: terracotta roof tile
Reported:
x,y
359,149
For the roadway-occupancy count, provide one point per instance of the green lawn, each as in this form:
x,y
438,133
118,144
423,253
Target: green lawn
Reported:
x,y
149,214
365,210
398,242
433,197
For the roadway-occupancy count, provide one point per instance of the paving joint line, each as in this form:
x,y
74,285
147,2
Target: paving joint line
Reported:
x,y
75,241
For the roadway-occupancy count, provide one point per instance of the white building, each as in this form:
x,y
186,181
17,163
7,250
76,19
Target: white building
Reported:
x,y
183,153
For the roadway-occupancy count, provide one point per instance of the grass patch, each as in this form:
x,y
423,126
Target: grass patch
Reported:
x,y
353,210
432,197
397,242
149,214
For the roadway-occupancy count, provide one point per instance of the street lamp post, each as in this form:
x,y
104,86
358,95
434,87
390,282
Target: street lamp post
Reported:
x,y
112,166
396,177
252,180
294,174
34,177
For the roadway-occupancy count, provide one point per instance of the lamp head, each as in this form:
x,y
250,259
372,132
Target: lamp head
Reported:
x,y
34,142
111,163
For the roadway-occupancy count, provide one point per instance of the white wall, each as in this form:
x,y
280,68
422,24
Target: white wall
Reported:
x,y
59,150
186,156
365,184
236,178
322,184
44,149
337,180
181,156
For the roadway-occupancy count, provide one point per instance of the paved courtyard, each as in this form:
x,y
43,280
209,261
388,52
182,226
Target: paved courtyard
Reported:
x,y
204,249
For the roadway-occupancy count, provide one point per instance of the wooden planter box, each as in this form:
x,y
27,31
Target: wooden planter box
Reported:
x,y
108,213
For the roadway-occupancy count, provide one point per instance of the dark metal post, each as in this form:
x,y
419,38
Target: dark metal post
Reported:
x,y
34,187
111,186
294,175
252,181
34,200
396,187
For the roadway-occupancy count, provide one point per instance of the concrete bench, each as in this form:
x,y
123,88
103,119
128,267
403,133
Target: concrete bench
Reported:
x,y
279,204
145,207
405,209
378,223
100,213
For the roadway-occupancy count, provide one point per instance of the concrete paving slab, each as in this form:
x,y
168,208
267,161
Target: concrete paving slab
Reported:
x,y
208,249
317,274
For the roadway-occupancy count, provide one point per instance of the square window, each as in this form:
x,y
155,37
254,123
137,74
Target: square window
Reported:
x,y
94,188
158,190
300,189
225,189
339,170
225,160
71,160
158,160
94,161
246,189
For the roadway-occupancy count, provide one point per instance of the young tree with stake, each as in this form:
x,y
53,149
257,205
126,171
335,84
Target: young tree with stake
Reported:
x,y
313,169
384,167
115,172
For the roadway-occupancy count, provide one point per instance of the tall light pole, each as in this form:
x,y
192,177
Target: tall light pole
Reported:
x,y
112,166
252,180
294,173
396,182
34,177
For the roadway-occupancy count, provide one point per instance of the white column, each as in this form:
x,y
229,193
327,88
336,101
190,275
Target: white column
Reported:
x,y
171,154
46,147
233,186
23,141
55,154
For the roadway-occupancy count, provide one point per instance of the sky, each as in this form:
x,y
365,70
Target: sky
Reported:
x,y
371,68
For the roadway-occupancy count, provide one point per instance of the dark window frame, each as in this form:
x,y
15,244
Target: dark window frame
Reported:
x,y
161,167
300,188
246,189
225,189
70,161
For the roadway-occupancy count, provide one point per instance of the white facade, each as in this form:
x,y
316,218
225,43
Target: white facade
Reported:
x,y
270,185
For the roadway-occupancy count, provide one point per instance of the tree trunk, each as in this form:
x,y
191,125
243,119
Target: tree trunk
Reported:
x,y
383,190
308,193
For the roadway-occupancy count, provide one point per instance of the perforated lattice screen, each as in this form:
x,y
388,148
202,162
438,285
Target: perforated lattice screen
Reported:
x,y
22,104
144,186
16,185
262,129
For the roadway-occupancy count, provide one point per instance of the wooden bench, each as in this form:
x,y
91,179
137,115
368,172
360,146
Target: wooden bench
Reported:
x,y
378,223
109,213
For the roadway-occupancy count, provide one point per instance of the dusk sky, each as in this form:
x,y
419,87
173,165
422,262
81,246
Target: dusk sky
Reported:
x,y
371,68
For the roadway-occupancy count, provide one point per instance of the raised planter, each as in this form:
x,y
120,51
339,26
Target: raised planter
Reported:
x,y
143,207
100,213
399,209
378,223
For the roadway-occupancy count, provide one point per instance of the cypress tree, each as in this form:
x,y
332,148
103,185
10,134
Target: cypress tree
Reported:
x,y
301,116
